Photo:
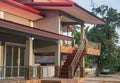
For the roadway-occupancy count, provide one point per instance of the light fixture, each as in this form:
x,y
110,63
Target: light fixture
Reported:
x,y
31,38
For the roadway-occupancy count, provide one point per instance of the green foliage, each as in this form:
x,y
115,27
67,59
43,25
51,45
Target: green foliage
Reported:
x,y
107,36
77,37
76,34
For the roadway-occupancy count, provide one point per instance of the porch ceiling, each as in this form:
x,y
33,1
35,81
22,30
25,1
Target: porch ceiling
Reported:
x,y
32,31
70,8
21,10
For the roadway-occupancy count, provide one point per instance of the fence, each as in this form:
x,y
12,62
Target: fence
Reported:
x,y
20,72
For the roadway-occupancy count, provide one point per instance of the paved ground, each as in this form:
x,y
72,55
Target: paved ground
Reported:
x,y
111,78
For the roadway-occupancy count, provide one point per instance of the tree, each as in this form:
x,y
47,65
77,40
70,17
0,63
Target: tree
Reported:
x,y
106,35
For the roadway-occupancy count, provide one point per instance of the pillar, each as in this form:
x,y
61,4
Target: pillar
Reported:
x,y
1,58
29,59
71,72
82,68
82,65
82,30
40,72
2,15
57,59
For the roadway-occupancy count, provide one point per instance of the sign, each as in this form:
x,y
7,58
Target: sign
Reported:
x,y
44,59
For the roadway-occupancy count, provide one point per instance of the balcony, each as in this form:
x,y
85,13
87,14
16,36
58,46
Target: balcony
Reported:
x,y
92,48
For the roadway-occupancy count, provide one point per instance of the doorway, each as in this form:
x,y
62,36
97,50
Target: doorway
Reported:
x,y
14,60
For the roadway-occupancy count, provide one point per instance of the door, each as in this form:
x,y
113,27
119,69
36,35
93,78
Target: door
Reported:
x,y
14,61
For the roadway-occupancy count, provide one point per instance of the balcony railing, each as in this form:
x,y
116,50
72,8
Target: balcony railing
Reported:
x,y
20,72
93,48
93,45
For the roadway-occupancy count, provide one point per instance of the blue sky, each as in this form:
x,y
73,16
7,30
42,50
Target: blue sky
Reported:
x,y
111,3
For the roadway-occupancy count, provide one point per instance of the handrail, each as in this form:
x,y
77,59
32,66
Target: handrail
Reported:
x,y
78,54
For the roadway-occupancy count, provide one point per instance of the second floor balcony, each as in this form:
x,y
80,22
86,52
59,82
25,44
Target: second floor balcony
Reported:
x,y
91,48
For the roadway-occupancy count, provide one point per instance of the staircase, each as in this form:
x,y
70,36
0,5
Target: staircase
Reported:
x,y
72,61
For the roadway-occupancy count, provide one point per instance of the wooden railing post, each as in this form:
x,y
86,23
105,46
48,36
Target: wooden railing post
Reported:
x,y
57,71
29,73
82,72
40,72
71,72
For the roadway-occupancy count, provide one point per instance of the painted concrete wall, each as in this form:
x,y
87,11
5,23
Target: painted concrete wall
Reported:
x,y
1,14
50,23
1,55
52,48
16,19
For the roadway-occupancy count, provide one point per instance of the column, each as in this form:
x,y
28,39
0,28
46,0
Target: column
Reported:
x,y
29,59
2,15
82,65
82,32
82,68
1,58
57,53
57,59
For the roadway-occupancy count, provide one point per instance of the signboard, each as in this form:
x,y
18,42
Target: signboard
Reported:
x,y
44,59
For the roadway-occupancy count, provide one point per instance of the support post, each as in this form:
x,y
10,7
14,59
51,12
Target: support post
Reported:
x,y
57,60
82,32
29,59
40,72
57,71
82,65
29,73
71,72
82,69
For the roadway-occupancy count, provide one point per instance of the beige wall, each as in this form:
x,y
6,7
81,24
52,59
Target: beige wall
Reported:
x,y
1,54
16,19
50,23
1,14
52,48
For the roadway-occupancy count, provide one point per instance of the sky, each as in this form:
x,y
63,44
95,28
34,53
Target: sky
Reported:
x,y
111,3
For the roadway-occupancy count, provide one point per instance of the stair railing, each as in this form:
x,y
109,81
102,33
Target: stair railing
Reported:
x,y
78,55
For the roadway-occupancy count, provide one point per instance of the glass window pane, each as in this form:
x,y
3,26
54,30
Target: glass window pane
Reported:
x,y
15,61
8,60
22,53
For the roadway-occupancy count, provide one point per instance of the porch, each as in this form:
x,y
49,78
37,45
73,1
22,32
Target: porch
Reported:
x,y
30,74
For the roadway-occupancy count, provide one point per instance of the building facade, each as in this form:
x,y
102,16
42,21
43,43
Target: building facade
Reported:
x,y
31,33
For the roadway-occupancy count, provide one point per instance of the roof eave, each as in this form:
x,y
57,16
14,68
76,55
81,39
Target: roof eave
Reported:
x,y
24,11
102,21
67,4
